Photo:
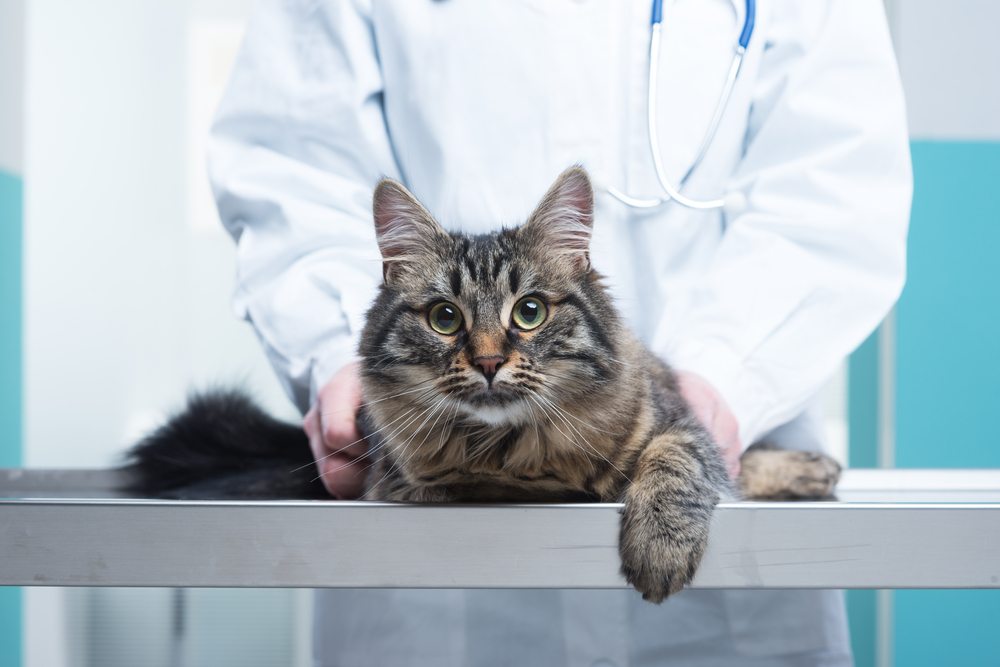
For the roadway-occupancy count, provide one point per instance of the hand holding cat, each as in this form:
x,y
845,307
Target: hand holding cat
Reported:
x,y
339,449
714,414
333,434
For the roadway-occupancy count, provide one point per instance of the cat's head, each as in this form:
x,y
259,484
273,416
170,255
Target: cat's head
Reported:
x,y
497,327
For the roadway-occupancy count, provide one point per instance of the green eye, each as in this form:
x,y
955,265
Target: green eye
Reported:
x,y
445,318
529,313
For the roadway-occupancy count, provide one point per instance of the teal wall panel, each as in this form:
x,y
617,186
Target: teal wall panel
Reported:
x,y
11,209
948,319
863,405
937,628
10,320
948,375
862,619
862,433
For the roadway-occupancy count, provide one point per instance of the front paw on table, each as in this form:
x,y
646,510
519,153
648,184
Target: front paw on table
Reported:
x,y
659,558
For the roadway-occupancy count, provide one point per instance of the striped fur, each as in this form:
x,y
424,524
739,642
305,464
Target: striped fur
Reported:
x,y
579,409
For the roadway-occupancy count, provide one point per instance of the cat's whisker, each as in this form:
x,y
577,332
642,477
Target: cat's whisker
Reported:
x,y
581,381
364,437
397,465
385,440
386,453
563,414
373,460
370,451
556,411
554,425
431,428
366,404
388,438
577,419
444,399
538,437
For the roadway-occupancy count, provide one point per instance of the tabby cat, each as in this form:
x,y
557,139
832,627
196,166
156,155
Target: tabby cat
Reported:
x,y
495,368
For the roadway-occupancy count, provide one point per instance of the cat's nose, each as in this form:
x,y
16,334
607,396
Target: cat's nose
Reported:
x,y
489,365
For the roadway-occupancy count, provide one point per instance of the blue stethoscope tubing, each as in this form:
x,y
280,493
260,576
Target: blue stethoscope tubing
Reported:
x,y
673,193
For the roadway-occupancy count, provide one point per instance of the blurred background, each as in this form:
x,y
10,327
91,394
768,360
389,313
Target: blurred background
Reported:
x,y
115,282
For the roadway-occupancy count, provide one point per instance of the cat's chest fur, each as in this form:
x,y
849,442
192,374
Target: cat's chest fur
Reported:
x,y
506,463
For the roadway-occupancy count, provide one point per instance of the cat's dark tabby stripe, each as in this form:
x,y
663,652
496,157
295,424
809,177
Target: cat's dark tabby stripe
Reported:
x,y
496,368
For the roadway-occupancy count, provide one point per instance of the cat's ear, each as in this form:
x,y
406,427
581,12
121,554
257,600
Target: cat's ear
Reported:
x,y
405,230
563,221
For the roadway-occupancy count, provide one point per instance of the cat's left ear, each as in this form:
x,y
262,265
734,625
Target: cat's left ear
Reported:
x,y
563,221
405,230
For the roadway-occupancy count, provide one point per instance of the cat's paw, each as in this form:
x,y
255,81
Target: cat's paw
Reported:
x,y
780,474
659,552
420,495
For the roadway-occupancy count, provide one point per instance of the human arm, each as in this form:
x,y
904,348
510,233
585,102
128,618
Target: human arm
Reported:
x,y
298,142
817,258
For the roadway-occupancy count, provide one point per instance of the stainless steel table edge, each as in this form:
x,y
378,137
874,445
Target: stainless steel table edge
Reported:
x,y
134,542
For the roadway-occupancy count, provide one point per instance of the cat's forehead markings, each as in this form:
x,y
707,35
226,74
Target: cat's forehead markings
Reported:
x,y
499,261
514,278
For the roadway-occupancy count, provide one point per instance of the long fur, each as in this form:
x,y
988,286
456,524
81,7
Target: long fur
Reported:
x,y
222,445
577,408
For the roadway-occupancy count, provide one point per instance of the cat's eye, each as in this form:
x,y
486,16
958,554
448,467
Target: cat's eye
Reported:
x,y
445,318
529,313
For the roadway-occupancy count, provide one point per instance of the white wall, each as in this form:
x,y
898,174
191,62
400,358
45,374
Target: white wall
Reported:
x,y
11,84
949,61
127,286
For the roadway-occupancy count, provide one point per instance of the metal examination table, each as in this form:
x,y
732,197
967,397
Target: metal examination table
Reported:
x,y
889,529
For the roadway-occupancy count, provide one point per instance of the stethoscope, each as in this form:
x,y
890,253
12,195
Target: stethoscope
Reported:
x,y
730,200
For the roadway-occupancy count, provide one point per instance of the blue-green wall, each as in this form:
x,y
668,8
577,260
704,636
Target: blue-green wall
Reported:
x,y
10,320
948,375
10,384
948,345
947,388
863,424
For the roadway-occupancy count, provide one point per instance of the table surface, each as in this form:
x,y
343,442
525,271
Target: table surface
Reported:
x,y
888,529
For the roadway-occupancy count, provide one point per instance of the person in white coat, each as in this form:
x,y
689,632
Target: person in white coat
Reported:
x,y
476,107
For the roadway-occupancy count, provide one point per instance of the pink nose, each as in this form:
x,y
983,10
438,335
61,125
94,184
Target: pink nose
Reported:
x,y
489,365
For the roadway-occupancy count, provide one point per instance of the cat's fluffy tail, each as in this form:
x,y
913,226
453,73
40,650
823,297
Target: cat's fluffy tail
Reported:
x,y
223,446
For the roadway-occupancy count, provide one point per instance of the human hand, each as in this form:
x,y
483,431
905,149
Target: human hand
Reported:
x,y
336,444
714,414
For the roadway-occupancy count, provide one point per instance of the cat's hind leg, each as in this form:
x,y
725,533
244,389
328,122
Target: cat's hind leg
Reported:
x,y
770,473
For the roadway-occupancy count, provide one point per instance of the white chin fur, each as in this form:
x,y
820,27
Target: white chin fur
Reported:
x,y
507,415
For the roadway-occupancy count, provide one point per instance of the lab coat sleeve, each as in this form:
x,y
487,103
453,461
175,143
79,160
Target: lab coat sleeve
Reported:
x,y
296,147
817,258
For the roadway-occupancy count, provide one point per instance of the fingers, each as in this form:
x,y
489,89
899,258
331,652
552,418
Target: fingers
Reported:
x,y
336,444
343,476
729,442
711,410
339,402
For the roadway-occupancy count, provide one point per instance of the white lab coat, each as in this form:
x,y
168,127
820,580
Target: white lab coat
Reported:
x,y
477,106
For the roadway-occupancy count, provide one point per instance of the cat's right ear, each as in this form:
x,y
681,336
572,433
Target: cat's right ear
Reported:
x,y
405,230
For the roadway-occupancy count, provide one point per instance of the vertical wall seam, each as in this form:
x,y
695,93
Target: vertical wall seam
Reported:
x,y
11,374
884,628
887,392
884,624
